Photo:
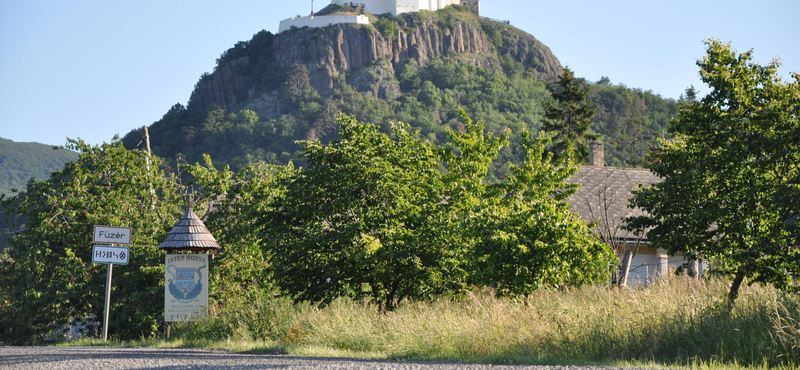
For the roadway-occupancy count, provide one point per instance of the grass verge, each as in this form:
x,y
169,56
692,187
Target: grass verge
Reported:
x,y
680,323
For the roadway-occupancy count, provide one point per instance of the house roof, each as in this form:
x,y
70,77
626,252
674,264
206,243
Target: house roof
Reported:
x,y
607,191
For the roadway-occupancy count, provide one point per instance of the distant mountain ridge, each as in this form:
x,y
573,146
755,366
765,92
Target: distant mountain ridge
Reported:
x,y
21,161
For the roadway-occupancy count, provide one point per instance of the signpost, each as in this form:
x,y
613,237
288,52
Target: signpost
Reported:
x,y
112,235
111,256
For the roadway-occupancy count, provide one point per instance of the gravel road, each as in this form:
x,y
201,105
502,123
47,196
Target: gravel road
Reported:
x,y
87,358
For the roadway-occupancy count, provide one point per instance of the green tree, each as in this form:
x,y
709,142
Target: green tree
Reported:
x,y
47,278
371,215
529,237
571,117
242,268
731,174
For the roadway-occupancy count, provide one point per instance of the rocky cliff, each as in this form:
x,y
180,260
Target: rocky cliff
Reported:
x,y
338,49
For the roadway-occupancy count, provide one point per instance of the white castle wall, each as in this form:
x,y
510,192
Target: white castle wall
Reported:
x,y
372,6
398,6
321,21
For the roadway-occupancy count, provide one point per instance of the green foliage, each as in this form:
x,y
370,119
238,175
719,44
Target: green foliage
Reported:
x,y
571,117
242,268
387,28
731,174
393,217
48,278
19,162
529,239
262,66
367,217
631,121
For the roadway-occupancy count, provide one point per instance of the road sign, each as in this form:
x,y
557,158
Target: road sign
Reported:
x,y
112,234
110,255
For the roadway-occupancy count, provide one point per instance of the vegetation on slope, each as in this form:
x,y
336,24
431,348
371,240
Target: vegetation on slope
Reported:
x,y
499,89
20,162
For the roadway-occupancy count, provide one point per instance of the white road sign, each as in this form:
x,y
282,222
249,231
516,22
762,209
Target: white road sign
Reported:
x,y
111,255
112,234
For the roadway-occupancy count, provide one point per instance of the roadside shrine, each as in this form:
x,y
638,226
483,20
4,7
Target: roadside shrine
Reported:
x,y
186,271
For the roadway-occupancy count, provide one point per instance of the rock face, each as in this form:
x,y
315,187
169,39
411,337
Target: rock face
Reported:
x,y
333,50
327,52
226,87
376,81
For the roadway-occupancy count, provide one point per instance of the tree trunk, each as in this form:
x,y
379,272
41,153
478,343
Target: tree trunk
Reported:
x,y
737,282
625,267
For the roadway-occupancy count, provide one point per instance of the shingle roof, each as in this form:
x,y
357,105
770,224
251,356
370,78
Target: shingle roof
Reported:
x,y
608,188
190,234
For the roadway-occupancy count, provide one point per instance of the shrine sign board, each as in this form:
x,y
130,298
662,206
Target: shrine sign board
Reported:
x,y
185,287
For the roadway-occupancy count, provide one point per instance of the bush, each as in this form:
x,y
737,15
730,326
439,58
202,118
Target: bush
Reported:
x,y
387,28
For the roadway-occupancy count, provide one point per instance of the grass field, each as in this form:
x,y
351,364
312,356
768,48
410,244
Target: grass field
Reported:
x,y
682,323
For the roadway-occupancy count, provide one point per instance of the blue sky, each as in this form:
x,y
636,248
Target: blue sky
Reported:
x,y
91,69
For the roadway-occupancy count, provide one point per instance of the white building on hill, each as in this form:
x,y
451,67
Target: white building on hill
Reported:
x,y
404,6
393,7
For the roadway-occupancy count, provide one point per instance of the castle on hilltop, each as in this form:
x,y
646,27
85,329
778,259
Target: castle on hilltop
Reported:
x,y
394,7
404,6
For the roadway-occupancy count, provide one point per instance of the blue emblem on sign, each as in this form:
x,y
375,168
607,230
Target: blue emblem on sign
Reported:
x,y
186,283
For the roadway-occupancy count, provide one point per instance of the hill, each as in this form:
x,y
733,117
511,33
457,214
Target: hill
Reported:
x,y
19,162
419,68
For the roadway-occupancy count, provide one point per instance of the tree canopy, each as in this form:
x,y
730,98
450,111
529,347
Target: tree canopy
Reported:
x,y
529,239
47,277
731,174
570,118
391,217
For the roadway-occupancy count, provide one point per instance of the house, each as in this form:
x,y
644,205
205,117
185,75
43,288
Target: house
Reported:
x,y
393,7
603,198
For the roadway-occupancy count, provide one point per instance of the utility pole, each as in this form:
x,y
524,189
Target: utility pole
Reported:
x,y
147,144
147,160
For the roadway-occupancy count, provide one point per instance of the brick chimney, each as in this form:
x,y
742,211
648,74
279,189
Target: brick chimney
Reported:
x,y
596,153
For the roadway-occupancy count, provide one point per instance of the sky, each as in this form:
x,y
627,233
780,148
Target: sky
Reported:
x,y
92,69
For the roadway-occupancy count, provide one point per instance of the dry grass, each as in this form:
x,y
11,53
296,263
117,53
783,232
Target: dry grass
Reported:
x,y
682,323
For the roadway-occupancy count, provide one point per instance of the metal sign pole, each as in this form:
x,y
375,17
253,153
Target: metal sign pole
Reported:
x,y
110,255
108,302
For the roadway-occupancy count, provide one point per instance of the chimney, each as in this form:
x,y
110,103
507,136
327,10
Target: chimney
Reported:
x,y
596,153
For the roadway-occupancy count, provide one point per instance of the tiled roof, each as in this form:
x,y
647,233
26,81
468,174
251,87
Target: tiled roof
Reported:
x,y
608,188
190,234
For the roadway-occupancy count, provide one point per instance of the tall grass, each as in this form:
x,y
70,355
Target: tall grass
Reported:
x,y
681,322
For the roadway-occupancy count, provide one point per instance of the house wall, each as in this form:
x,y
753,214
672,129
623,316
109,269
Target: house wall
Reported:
x,y
321,21
646,266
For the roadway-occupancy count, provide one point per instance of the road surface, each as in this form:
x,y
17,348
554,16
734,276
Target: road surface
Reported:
x,y
89,358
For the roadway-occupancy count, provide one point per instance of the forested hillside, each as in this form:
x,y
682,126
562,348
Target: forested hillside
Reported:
x,y
19,162
417,68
